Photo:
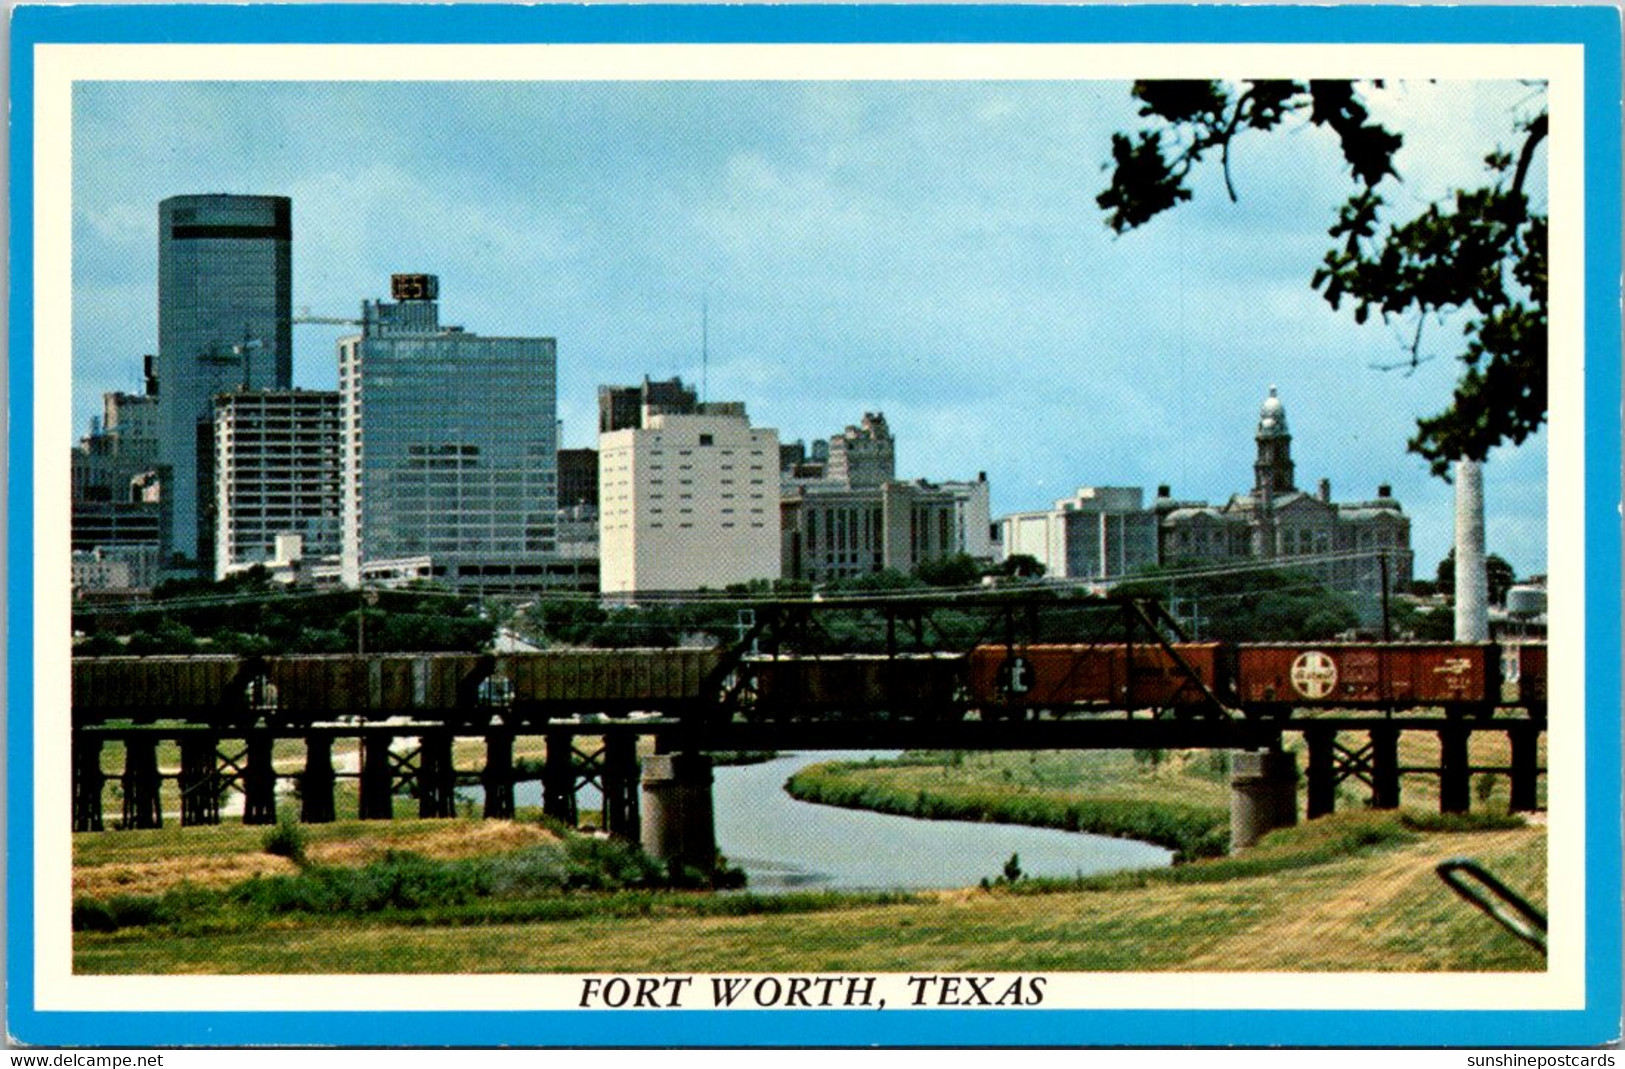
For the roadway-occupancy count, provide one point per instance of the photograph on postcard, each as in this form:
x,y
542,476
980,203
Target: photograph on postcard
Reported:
x,y
812,527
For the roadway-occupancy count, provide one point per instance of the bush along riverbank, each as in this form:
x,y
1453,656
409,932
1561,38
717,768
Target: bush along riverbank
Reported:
x,y
582,876
1191,831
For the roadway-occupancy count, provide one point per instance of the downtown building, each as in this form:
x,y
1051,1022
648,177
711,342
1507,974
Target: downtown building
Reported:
x,y
687,500
844,512
116,520
1106,534
224,324
448,450
276,478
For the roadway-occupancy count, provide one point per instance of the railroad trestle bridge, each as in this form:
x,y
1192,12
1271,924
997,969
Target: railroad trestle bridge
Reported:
x,y
1017,674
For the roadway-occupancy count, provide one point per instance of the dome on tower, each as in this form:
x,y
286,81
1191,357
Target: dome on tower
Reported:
x,y
1272,417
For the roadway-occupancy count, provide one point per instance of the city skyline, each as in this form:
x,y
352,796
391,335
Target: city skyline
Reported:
x,y
931,251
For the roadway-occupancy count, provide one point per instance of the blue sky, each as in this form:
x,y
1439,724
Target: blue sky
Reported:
x,y
932,250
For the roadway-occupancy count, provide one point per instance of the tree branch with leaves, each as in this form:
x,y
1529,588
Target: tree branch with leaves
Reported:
x,y
1480,252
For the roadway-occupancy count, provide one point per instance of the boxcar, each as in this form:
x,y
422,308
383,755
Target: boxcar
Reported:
x,y
1097,676
1368,674
1526,674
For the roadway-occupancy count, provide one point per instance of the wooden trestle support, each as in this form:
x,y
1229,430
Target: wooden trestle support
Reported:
x,y
1376,764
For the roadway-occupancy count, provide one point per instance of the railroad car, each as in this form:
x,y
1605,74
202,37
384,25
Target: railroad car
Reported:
x,y
1008,679
148,688
1367,675
319,687
1525,669
613,682
907,686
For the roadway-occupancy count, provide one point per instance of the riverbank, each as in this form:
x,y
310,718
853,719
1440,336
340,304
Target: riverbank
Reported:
x,y
1353,892
1178,801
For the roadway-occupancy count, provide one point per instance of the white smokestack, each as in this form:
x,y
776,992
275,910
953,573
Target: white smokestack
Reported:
x,y
1472,583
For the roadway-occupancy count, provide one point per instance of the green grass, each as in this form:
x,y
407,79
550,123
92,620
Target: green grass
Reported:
x,y
1100,794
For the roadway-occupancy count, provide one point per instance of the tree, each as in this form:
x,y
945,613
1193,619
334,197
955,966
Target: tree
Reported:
x,y
1022,566
1482,252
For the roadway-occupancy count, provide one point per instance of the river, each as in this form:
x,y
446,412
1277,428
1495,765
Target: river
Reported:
x,y
785,844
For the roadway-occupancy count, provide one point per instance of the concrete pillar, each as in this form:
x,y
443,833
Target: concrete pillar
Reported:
x,y
259,781
87,783
1455,774
1472,582
377,800
498,774
1385,768
142,806
200,780
1322,789
437,777
316,782
559,779
677,822
1263,794
1525,785
620,783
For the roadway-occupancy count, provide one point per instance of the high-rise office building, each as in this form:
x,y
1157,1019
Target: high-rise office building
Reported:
x,y
224,323
449,447
276,474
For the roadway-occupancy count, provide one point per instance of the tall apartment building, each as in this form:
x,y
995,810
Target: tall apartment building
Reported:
x,y
1100,532
688,501
224,323
449,446
276,474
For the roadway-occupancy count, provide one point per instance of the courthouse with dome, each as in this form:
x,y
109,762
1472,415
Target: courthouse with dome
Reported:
x,y
1107,532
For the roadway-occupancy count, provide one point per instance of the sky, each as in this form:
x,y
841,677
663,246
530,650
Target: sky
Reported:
x,y
929,250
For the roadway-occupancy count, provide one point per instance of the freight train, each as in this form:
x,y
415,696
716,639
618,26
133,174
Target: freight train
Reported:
x,y
989,682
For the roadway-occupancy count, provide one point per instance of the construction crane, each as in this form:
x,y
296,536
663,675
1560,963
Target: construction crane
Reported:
x,y
304,316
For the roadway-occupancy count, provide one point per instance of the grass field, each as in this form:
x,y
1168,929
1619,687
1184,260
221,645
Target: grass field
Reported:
x,y
1372,907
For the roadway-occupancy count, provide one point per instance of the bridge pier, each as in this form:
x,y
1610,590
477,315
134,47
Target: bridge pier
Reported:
x,y
498,774
87,782
143,808
1263,794
620,786
1455,772
1322,786
1384,767
437,778
316,782
200,780
559,778
377,801
259,781
1525,775
677,821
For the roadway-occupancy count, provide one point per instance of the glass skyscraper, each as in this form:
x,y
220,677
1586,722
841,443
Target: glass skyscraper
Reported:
x,y
449,446
224,324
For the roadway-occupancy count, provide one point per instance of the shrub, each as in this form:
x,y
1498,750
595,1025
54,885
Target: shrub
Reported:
x,y
286,838
90,915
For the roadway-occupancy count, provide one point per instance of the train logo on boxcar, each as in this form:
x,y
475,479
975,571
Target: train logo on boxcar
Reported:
x,y
1016,676
1314,674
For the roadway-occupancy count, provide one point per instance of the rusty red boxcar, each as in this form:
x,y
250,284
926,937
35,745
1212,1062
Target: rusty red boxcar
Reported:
x,y
1368,674
1100,676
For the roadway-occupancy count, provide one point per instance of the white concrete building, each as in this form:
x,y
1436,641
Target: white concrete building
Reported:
x,y
276,467
1099,532
688,501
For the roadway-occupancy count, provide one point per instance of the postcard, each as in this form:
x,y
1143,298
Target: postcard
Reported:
x,y
814,526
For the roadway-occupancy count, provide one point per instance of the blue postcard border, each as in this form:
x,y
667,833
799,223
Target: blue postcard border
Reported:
x,y
1597,29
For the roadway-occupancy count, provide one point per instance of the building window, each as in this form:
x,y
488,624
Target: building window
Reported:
x,y
706,439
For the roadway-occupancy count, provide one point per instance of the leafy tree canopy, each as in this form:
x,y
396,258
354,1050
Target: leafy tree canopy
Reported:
x,y
1499,574
1274,605
1481,252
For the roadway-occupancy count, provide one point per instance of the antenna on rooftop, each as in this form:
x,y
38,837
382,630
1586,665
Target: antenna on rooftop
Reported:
x,y
705,346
